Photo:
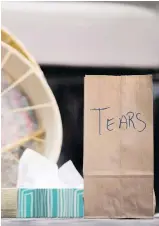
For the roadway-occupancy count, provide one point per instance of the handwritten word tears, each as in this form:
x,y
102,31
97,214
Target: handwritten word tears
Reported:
x,y
128,120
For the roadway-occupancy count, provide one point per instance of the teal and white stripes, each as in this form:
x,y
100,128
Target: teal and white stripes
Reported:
x,y
51,203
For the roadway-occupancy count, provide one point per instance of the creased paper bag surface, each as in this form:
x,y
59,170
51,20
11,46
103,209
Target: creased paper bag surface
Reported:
x,y
118,147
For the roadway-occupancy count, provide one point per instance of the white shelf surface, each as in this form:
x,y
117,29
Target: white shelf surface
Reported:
x,y
86,34
78,222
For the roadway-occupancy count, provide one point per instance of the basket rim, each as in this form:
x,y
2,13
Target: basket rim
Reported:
x,y
19,46
48,91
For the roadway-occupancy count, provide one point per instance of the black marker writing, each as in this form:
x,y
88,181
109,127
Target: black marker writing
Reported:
x,y
99,116
130,115
109,124
141,121
123,120
130,120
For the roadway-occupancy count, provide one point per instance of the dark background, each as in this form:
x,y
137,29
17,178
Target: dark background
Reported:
x,y
67,84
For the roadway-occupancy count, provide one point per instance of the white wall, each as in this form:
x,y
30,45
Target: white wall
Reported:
x,y
87,34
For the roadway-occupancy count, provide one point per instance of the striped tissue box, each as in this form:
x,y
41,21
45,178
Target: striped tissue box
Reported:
x,y
51,203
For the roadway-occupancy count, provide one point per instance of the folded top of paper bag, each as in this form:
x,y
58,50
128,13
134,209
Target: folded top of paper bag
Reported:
x,y
36,171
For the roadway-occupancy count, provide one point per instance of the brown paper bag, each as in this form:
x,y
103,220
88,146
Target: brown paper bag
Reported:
x,y
118,147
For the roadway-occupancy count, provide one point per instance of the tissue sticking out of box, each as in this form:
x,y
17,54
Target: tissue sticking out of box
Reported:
x,y
70,176
36,171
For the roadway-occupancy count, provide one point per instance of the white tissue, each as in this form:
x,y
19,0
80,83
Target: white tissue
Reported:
x,y
36,171
70,176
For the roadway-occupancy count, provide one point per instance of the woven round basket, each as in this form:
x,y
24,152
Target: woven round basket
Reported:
x,y
8,38
26,75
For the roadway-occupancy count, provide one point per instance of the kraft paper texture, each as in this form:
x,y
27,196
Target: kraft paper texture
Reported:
x,y
118,147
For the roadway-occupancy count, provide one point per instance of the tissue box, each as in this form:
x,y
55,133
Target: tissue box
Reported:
x,y
51,203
